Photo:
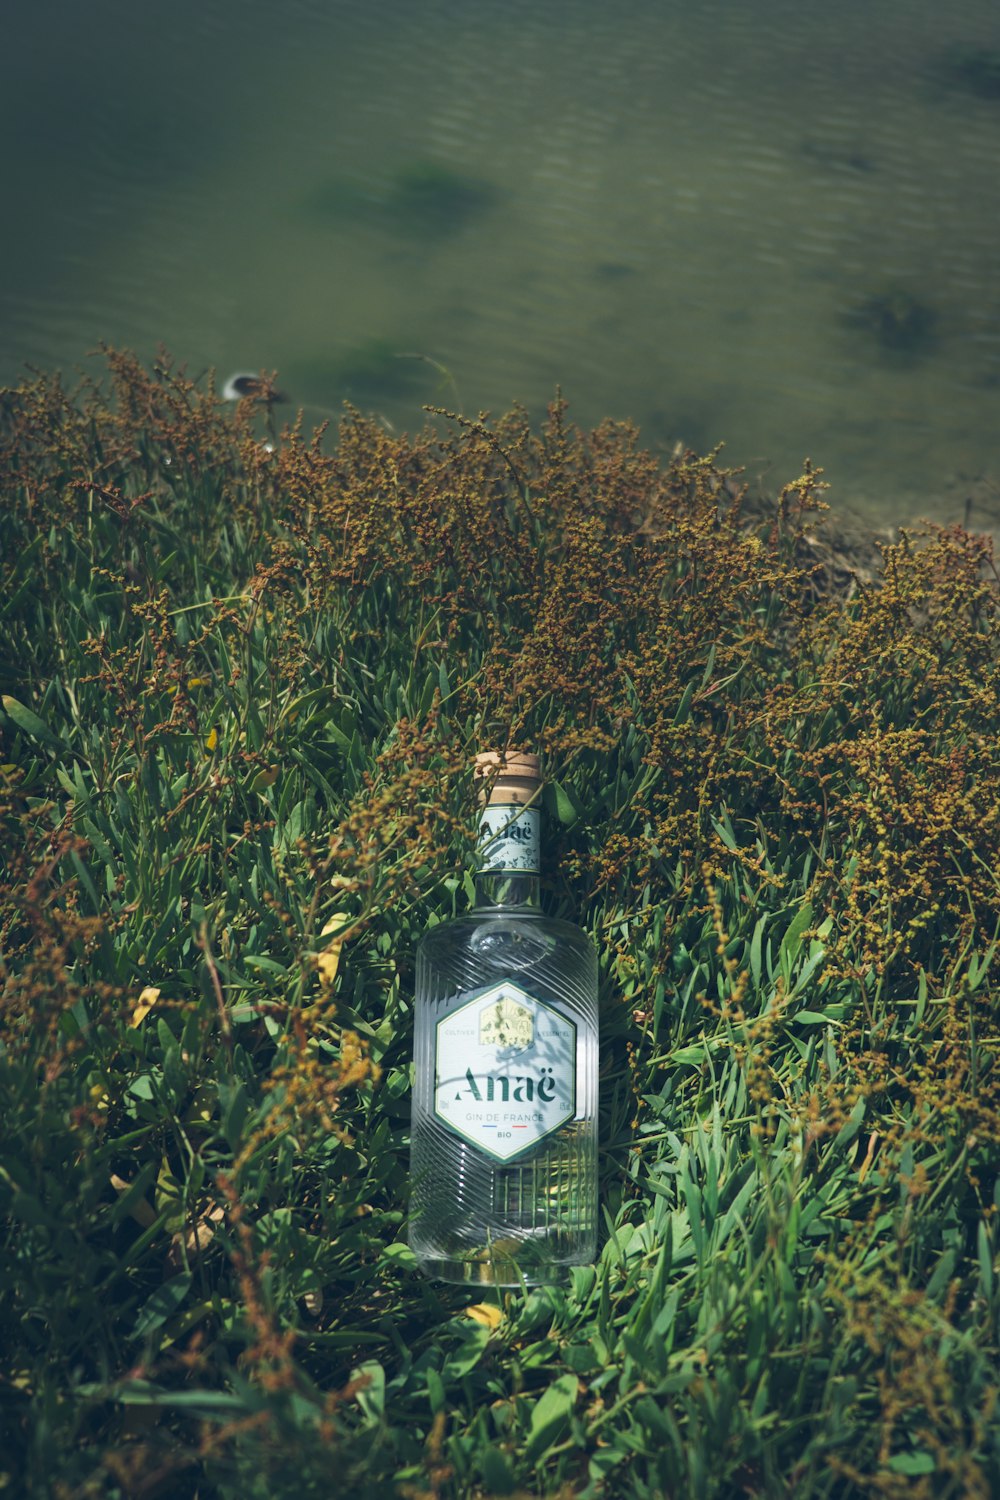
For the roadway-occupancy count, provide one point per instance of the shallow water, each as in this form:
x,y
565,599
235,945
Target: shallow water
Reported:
x,y
768,223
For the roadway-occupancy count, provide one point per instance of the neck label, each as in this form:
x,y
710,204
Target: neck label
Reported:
x,y
509,840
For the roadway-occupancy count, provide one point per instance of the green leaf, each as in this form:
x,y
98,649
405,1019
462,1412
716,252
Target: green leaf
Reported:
x,y
29,723
436,1394
942,1274
917,1462
144,1393
159,1307
604,1460
979,968
550,1416
918,1014
684,706
400,1255
498,1476
696,1053
563,803
337,737
755,950
235,1106
692,1199
471,1348
984,1251
792,940
725,832
269,965
851,1125
65,782
137,1189
371,1396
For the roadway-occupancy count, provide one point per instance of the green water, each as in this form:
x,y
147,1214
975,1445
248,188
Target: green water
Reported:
x,y
772,223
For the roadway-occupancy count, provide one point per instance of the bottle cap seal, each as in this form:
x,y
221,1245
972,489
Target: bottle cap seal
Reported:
x,y
507,777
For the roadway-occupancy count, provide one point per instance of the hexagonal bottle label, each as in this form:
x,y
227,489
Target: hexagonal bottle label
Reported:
x,y
505,1075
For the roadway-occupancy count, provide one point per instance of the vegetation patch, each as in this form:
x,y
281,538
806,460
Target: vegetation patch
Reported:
x,y
242,685
421,199
973,70
901,326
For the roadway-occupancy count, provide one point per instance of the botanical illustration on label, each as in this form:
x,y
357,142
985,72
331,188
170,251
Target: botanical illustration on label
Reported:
x,y
506,1023
505,1075
509,839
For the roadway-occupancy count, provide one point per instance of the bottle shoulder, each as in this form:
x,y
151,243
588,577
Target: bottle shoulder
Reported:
x,y
547,958
481,922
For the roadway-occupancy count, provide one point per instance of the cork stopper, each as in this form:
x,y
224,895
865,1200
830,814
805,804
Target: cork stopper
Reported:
x,y
507,778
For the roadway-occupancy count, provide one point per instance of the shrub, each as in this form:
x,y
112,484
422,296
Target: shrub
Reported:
x,y
243,682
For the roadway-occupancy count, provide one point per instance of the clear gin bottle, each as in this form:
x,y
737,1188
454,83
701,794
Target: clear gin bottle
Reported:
x,y
504,1126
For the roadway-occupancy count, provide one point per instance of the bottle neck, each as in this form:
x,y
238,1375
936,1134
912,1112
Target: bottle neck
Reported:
x,y
509,854
506,889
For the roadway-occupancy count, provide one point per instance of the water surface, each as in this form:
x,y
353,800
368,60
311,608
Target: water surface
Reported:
x,y
769,223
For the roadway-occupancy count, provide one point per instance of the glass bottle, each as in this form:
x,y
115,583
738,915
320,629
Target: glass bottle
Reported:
x,y
504,1127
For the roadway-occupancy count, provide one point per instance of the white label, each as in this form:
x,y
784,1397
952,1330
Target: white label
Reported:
x,y
505,1075
509,839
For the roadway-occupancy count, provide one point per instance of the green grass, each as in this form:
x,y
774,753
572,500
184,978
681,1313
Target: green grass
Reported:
x,y
241,692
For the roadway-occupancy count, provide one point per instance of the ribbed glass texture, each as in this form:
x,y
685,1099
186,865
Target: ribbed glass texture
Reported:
x,y
473,1218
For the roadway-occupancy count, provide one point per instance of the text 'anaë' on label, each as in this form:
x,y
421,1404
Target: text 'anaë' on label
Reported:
x,y
509,839
505,1075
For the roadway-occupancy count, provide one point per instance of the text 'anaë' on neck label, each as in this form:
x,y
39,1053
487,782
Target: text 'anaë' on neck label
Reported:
x,y
509,839
505,1075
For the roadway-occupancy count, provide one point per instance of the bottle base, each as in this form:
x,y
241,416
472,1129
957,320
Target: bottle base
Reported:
x,y
499,1270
